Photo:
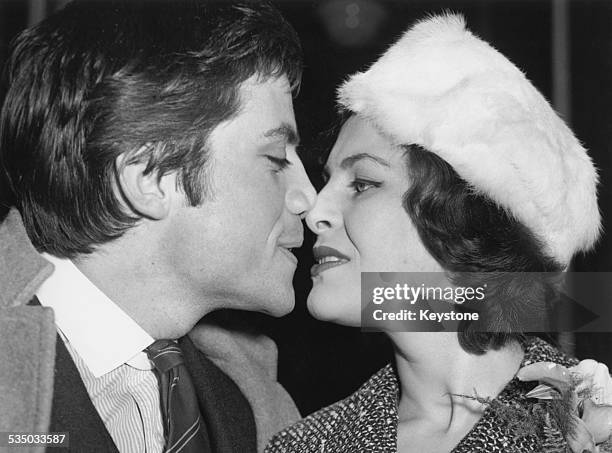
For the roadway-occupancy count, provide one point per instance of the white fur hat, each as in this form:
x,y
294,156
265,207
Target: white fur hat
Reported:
x,y
450,92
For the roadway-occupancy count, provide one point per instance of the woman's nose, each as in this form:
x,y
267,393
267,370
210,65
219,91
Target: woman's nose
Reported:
x,y
325,214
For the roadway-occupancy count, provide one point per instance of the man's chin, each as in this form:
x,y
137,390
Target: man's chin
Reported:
x,y
281,308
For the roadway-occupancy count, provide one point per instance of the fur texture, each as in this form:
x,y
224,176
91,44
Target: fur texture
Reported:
x,y
445,89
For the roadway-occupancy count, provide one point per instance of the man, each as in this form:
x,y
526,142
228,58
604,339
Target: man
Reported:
x,y
151,147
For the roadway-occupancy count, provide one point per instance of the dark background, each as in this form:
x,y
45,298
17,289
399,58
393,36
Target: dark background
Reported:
x,y
563,46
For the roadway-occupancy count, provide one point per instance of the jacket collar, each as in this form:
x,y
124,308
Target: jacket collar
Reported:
x,y
22,269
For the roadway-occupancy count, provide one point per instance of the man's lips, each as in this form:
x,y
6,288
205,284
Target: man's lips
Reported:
x,y
288,246
289,254
326,257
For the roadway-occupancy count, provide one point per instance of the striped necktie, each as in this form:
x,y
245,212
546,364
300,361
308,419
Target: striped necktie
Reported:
x,y
184,428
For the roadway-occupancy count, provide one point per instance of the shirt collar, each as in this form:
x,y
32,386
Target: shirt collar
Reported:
x,y
103,335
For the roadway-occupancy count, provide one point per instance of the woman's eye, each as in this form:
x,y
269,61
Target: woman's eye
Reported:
x,y
281,163
361,186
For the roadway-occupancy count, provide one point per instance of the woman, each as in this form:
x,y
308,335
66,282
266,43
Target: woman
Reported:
x,y
451,162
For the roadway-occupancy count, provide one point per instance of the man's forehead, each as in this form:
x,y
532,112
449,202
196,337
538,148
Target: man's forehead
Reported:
x,y
265,115
267,109
257,88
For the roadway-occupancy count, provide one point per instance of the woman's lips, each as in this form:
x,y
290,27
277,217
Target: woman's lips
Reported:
x,y
326,257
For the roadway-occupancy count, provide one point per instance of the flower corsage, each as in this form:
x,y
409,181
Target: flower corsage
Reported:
x,y
581,396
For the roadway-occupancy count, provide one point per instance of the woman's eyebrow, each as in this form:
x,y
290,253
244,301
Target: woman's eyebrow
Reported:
x,y
349,161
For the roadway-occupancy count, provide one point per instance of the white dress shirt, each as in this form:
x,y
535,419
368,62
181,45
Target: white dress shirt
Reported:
x,y
107,348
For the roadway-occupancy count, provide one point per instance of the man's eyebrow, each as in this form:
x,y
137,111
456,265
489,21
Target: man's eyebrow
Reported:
x,y
285,131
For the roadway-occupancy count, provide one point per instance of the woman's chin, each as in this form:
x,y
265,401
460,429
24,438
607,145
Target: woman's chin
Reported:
x,y
332,309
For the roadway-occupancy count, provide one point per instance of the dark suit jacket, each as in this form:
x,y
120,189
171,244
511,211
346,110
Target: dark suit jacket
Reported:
x,y
227,414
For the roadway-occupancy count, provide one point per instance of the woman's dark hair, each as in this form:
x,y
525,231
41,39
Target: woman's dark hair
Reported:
x,y
150,79
466,232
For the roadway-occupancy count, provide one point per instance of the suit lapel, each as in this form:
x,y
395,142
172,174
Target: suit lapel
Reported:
x,y
72,410
227,413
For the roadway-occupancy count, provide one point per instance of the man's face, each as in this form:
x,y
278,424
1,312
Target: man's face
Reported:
x,y
233,251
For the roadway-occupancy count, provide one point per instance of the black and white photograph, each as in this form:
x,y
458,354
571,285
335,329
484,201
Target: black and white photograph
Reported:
x,y
306,226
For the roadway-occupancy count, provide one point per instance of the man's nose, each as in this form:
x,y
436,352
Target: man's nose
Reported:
x,y
301,195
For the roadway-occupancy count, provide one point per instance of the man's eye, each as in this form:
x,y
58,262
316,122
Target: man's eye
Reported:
x,y
360,185
281,163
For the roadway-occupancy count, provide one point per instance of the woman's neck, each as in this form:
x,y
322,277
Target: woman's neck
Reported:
x,y
434,370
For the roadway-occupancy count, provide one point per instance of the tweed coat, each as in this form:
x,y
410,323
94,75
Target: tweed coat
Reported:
x,y
366,421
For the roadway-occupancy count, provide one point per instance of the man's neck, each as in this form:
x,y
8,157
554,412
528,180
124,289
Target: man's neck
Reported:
x,y
135,279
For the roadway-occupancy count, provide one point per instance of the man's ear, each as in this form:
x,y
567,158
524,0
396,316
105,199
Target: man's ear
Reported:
x,y
147,194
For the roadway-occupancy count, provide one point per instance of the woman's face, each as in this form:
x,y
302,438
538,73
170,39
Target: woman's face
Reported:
x,y
360,223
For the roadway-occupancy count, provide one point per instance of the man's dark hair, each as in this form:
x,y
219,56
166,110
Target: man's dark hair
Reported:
x,y
150,79
468,233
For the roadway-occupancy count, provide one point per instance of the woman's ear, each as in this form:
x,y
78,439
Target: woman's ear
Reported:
x,y
146,194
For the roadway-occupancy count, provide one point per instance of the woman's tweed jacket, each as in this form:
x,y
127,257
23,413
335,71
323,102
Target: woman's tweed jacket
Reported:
x,y
366,421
